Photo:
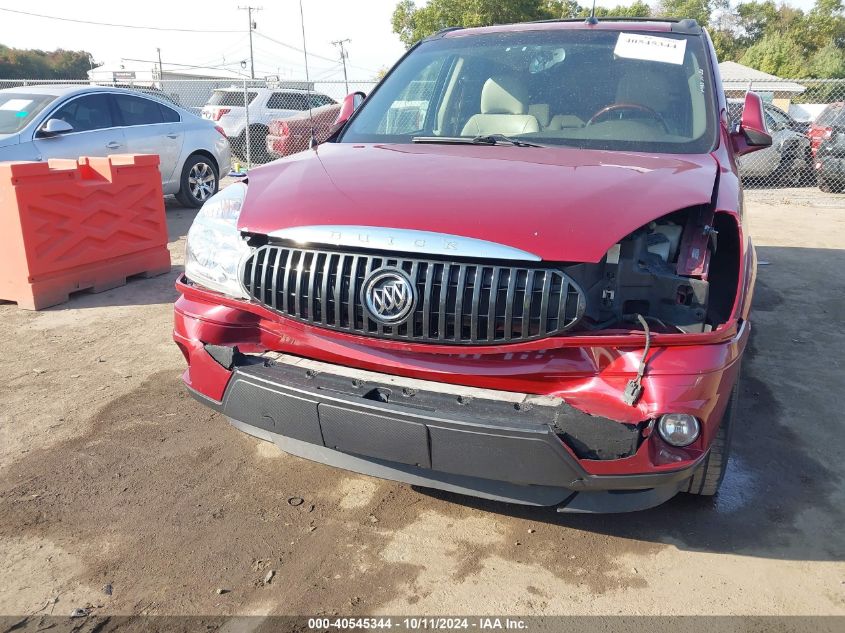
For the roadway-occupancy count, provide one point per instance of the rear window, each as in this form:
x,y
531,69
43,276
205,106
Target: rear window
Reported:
x,y
321,100
230,98
169,114
17,109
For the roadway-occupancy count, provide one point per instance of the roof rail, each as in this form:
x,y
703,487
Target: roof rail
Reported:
x,y
443,32
679,25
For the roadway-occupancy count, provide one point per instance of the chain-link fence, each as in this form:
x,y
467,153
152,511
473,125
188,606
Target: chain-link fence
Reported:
x,y
256,133
806,118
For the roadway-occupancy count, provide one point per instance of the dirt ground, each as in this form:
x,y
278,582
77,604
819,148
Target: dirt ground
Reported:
x,y
111,475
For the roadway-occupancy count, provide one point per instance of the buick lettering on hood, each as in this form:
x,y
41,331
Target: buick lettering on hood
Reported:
x,y
518,269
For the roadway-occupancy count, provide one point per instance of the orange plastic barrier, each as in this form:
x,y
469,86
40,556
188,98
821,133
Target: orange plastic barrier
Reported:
x,y
74,225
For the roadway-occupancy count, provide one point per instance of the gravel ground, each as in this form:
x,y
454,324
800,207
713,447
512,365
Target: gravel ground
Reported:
x,y
110,474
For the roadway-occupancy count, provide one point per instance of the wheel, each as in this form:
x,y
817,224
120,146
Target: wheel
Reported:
x,y
238,146
824,185
809,175
707,479
790,171
258,144
200,180
837,185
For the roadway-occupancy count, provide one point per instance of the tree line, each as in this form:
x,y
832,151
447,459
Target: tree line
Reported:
x,y
17,63
774,38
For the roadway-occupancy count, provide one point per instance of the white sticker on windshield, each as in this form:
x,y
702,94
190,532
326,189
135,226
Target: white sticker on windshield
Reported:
x,y
650,48
15,104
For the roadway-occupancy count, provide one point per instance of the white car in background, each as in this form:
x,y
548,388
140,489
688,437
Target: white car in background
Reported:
x,y
42,122
226,107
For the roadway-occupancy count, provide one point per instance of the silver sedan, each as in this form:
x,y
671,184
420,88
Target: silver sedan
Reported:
x,y
42,122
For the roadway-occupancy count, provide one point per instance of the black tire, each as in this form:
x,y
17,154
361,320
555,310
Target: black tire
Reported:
x,y
707,479
199,181
809,177
238,147
835,186
790,171
824,185
258,144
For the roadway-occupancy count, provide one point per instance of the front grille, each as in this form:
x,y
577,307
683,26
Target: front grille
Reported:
x,y
457,302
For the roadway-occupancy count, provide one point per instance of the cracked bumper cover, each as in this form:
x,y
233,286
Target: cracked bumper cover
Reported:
x,y
495,449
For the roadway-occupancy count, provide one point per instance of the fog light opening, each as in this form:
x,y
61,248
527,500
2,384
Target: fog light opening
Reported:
x,y
679,429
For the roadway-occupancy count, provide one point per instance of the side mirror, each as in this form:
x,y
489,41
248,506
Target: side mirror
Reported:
x,y
55,127
751,134
350,103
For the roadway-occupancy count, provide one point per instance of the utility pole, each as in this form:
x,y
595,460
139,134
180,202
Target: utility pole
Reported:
x,y
252,25
160,69
343,56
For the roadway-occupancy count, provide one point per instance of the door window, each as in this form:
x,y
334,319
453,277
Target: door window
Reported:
x,y
91,112
137,110
408,111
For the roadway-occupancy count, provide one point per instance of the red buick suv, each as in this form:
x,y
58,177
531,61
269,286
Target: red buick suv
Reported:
x,y
519,269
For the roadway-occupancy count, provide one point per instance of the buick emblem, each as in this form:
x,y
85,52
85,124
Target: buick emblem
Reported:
x,y
389,296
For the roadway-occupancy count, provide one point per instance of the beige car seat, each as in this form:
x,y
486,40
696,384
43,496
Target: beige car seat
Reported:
x,y
541,112
504,110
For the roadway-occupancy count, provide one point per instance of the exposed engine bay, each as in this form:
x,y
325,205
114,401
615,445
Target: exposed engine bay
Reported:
x,y
678,272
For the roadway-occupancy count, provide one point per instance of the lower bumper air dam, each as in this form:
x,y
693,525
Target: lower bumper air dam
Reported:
x,y
461,440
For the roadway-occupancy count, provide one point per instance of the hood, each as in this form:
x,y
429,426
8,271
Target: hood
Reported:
x,y
560,204
9,139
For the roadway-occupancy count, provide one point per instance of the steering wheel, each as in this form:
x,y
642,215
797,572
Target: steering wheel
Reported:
x,y
628,106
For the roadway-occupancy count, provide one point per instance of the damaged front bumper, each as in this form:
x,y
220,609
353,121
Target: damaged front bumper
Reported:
x,y
525,425
495,445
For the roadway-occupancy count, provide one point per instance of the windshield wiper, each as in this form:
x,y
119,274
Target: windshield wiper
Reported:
x,y
486,139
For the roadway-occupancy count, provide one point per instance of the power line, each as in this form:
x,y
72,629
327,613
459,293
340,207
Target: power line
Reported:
x,y
333,60
233,50
326,73
173,30
120,26
294,48
177,66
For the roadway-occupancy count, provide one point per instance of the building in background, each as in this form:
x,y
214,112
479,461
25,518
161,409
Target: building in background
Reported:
x,y
738,79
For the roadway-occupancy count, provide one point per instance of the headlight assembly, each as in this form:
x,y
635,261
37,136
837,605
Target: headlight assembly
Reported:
x,y
215,247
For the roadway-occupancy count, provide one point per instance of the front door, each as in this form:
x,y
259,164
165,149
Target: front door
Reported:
x,y
94,133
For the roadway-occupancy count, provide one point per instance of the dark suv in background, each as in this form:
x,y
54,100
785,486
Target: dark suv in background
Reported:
x,y
829,132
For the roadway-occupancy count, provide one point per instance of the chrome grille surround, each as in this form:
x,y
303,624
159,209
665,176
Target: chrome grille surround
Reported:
x,y
323,287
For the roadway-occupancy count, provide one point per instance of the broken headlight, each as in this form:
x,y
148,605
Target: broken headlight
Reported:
x,y
672,271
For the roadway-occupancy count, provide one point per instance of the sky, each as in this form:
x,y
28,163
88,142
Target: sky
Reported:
x,y
366,23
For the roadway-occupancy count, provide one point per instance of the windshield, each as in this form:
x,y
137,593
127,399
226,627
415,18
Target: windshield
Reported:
x,y
18,109
230,98
580,88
